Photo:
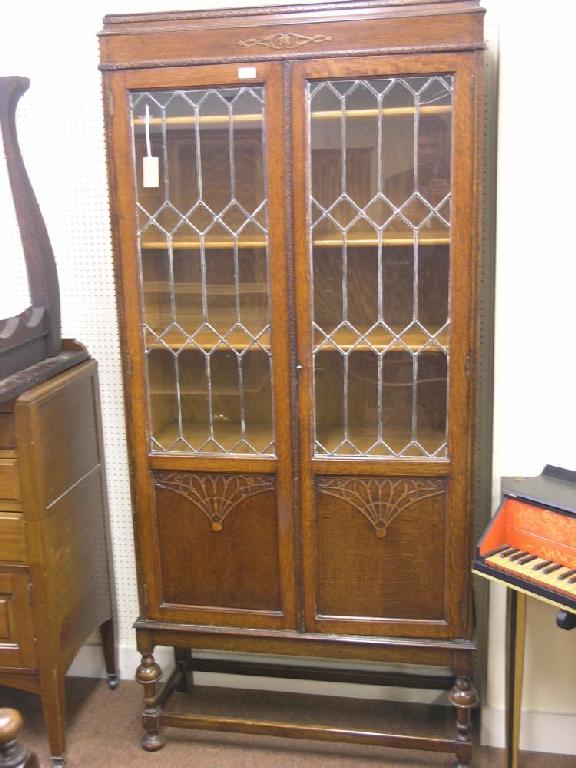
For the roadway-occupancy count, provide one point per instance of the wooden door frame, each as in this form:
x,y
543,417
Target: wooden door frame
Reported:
x,y
117,86
463,265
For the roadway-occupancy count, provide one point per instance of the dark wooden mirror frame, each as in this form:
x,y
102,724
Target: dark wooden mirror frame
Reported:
x,y
31,349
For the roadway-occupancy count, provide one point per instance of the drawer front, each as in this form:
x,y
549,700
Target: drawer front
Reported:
x,y
9,479
7,431
16,628
12,538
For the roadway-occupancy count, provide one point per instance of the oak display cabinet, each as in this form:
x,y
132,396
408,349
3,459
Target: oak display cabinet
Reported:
x,y
296,283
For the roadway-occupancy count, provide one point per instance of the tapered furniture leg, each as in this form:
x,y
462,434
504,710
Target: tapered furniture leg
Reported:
x,y
515,635
183,660
54,708
148,674
110,654
464,697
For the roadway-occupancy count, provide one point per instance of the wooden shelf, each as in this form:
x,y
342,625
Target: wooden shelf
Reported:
x,y
379,339
183,121
345,339
206,340
212,289
186,391
364,437
335,114
259,435
194,245
389,239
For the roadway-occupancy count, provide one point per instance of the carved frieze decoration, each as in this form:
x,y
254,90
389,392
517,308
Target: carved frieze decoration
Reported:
x,y
380,500
283,41
215,495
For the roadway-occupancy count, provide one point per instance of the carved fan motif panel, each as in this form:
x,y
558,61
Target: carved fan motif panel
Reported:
x,y
215,495
380,549
218,541
380,500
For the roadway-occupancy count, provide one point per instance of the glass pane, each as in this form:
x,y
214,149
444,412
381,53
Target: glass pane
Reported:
x,y
379,207
329,389
203,241
163,400
397,400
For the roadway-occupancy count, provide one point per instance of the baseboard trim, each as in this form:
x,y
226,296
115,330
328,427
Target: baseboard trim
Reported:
x,y
540,731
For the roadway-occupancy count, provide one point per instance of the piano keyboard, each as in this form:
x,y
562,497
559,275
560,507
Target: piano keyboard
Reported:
x,y
534,569
530,543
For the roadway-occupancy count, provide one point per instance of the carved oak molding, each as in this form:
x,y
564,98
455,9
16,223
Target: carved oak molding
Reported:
x,y
263,56
215,495
285,41
380,500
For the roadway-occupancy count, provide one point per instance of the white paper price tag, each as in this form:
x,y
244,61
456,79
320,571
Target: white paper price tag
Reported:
x,y
151,171
246,73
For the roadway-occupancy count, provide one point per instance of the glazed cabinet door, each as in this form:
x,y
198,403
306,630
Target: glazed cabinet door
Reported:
x,y
383,201
203,280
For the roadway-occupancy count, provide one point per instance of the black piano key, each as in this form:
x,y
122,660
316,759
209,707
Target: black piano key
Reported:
x,y
572,580
541,565
517,555
511,551
527,559
498,551
552,568
565,575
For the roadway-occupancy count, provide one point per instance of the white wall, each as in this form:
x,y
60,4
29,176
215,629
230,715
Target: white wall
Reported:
x,y
62,140
535,360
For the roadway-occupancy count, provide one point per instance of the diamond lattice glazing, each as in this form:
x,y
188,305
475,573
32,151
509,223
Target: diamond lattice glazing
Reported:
x,y
379,211
203,244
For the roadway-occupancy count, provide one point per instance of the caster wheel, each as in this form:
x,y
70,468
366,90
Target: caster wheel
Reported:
x,y
113,682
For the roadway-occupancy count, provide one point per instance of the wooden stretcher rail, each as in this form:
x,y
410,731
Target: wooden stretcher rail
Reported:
x,y
289,671
316,732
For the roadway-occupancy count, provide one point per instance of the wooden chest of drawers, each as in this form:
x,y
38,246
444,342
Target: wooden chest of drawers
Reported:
x,y
55,586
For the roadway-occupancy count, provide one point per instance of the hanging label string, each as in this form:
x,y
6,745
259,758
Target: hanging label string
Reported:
x,y
150,164
147,125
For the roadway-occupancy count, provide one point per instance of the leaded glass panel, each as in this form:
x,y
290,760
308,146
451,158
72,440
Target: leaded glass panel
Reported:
x,y
203,246
379,211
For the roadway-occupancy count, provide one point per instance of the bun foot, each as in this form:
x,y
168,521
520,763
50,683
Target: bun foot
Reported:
x,y
152,742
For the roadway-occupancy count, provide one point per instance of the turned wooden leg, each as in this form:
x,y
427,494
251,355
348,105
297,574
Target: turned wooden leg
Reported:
x,y
109,650
148,674
53,695
12,754
183,659
464,697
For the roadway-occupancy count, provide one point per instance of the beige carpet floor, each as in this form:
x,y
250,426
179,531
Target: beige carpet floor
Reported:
x,y
103,731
